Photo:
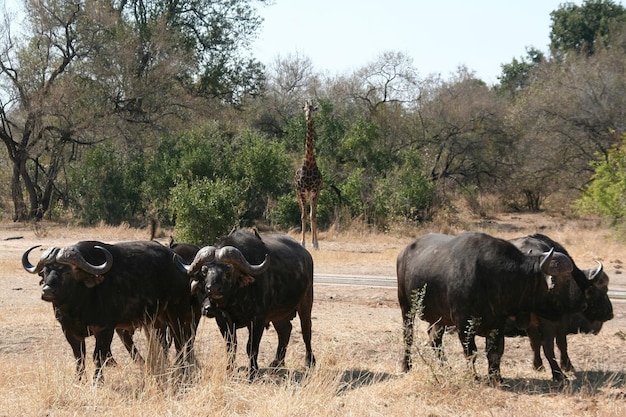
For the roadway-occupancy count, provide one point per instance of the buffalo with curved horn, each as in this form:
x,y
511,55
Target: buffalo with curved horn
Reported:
x,y
474,281
98,288
246,280
543,332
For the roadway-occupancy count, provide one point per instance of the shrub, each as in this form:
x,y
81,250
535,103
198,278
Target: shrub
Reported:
x,y
205,209
606,193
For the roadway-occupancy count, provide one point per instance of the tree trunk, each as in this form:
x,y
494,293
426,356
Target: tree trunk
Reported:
x,y
21,213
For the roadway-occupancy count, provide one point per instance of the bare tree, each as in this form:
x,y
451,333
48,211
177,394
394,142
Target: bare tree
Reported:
x,y
572,114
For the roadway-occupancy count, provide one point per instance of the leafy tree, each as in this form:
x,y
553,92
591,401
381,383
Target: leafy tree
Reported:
x,y
264,171
107,186
606,192
123,71
518,74
584,28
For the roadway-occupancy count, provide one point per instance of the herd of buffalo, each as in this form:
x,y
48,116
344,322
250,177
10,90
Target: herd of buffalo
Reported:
x,y
474,283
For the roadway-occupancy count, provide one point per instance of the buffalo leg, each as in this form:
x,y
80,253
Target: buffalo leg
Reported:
x,y
495,349
283,329
408,319
182,325
229,333
126,336
305,324
547,341
467,338
435,333
102,350
534,336
78,349
255,333
561,342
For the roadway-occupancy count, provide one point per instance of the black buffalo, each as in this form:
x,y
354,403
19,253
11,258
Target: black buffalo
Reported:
x,y
474,282
96,288
543,332
249,282
187,251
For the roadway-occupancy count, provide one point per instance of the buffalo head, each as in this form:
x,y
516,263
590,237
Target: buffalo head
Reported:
x,y
599,307
55,264
222,271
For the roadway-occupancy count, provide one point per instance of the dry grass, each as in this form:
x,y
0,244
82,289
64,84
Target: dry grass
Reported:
x,y
356,339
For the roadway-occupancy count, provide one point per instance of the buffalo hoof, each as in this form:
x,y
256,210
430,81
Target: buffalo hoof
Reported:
x,y
277,363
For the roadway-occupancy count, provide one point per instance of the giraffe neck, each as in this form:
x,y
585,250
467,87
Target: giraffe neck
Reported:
x,y
309,156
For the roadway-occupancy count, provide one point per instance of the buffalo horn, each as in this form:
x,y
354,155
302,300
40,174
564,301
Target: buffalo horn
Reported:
x,y
47,257
597,272
204,256
70,255
556,263
233,256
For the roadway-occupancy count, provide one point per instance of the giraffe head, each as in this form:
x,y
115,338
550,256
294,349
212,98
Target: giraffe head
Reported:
x,y
309,108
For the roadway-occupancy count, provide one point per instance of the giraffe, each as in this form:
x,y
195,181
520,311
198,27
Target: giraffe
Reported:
x,y
308,178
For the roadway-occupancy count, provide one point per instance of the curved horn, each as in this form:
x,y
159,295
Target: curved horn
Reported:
x,y
597,272
204,256
556,263
70,255
233,256
545,262
47,257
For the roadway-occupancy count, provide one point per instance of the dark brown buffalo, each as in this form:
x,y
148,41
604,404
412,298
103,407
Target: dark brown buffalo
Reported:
x,y
96,288
249,281
543,332
474,282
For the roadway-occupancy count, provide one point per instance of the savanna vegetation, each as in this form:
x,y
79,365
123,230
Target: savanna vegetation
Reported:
x,y
124,111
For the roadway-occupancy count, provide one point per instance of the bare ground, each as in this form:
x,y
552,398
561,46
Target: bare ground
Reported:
x,y
357,335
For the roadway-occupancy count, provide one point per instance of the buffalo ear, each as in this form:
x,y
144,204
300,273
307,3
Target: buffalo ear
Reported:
x,y
93,280
246,280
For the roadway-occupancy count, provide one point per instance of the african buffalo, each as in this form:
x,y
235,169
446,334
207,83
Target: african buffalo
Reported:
x,y
249,281
543,332
187,251
96,288
475,281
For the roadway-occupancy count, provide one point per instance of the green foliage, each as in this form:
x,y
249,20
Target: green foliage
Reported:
x,y
518,74
189,155
263,168
406,193
205,209
606,193
286,212
107,186
584,28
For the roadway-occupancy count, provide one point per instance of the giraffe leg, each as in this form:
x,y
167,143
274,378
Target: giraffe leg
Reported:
x,y
302,204
314,222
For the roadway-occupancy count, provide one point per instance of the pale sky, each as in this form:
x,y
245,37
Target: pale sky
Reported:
x,y
340,36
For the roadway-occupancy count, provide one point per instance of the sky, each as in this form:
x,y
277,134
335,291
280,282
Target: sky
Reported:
x,y
340,36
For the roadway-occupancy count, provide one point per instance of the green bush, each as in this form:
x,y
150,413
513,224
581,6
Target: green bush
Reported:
x,y
606,193
264,170
205,209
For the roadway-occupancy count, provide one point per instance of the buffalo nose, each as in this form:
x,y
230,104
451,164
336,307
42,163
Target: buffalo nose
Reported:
x,y
47,293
